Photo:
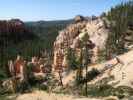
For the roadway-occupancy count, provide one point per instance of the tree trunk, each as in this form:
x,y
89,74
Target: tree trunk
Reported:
x,y
60,76
86,90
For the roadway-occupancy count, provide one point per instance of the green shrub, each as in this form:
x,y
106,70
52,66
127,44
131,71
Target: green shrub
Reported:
x,y
92,74
3,97
100,90
104,90
2,74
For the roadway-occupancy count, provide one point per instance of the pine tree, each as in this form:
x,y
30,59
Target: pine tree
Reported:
x,y
86,58
119,17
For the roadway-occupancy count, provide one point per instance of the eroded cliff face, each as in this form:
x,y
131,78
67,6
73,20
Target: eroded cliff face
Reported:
x,y
72,35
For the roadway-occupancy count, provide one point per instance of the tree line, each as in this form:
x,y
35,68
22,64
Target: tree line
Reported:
x,y
120,18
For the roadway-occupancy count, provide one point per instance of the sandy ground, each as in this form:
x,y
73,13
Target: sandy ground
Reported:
x,y
41,95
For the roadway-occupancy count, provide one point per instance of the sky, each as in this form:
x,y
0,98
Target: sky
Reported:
x,y
34,10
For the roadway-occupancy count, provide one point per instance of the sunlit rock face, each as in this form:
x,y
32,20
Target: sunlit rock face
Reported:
x,y
71,36
98,35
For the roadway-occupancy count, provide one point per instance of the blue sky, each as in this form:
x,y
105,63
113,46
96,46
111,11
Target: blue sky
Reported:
x,y
33,10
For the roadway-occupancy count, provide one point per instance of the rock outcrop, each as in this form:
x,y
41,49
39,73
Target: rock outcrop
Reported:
x,y
10,26
79,18
14,30
72,35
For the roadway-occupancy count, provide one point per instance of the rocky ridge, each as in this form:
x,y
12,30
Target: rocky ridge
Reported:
x,y
70,37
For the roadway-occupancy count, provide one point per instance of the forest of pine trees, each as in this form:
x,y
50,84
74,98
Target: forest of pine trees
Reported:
x,y
120,17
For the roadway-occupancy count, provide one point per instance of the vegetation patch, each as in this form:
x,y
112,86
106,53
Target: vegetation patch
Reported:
x,y
105,90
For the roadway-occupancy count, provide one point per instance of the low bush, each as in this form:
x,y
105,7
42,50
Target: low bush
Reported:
x,y
4,97
105,90
92,74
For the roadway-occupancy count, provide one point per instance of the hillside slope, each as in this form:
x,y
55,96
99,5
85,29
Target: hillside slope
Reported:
x,y
121,71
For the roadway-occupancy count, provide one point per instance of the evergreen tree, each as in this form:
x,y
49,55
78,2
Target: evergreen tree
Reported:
x,y
120,17
86,58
